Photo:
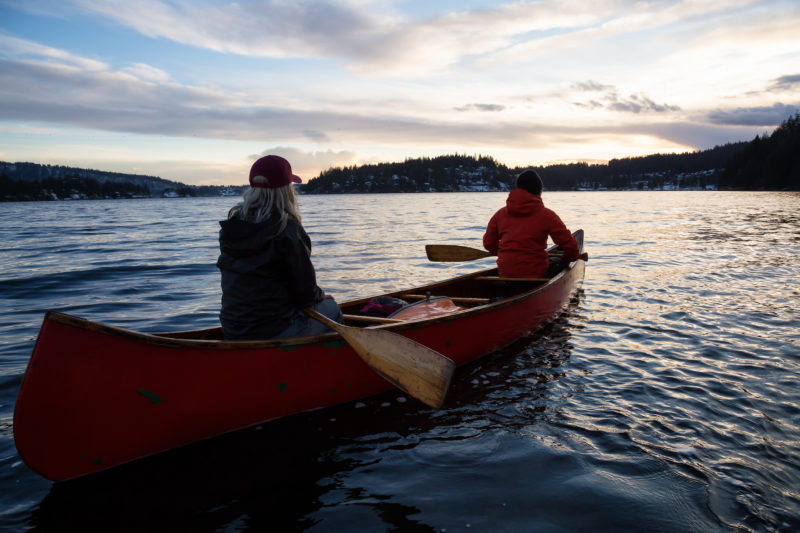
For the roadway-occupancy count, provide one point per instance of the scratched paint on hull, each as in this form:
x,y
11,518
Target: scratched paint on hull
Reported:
x,y
153,397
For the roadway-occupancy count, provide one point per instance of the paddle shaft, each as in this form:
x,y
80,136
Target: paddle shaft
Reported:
x,y
453,252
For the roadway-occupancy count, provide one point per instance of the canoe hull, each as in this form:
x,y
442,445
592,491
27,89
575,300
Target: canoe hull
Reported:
x,y
95,396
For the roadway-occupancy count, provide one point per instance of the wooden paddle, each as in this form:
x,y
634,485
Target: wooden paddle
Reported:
x,y
413,368
452,252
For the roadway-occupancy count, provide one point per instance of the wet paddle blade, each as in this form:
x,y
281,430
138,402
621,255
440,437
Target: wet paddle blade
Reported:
x,y
423,373
411,367
452,252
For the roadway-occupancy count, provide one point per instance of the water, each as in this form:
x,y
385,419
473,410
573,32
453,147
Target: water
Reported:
x,y
665,399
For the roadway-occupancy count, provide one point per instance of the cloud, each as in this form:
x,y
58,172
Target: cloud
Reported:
x,y
129,101
614,20
119,101
46,55
481,107
591,104
592,86
376,38
317,136
372,37
635,103
754,116
303,161
46,86
146,73
696,135
786,83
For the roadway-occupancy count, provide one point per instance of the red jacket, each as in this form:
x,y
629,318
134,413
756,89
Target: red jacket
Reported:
x,y
518,233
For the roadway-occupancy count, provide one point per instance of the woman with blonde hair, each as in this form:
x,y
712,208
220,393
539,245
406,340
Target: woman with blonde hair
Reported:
x,y
265,261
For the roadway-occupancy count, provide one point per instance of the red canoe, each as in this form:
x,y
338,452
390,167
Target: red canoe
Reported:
x,y
96,396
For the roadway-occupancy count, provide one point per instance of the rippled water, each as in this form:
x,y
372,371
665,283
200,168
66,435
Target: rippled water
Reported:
x,y
667,398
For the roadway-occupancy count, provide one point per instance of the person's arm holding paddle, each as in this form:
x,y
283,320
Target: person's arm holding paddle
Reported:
x,y
491,239
302,279
563,238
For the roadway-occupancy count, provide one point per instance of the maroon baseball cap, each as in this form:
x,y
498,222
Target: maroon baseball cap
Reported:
x,y
276,170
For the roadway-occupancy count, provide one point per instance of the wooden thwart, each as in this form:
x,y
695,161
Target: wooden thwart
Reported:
x,y
456,299
367,318
498,278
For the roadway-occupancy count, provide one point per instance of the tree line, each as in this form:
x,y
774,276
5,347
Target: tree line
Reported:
x,y
77,187
425,174
85,187
767,162
460,172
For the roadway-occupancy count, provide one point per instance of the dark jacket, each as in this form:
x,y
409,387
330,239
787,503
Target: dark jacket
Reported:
x,y
518,235
265,278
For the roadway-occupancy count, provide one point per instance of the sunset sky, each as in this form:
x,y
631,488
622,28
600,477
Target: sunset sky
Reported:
x,y
193,91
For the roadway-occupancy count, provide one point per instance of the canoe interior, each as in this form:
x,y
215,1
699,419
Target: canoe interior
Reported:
x,y
468,291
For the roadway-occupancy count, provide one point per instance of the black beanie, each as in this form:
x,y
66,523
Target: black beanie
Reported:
x,y
530,181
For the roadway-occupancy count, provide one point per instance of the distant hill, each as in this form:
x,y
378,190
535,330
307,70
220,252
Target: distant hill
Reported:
x,y
34,181
439,174
767,162
689,170
481,173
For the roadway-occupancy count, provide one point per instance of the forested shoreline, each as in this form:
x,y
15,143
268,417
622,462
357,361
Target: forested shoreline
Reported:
x,y
768,162
451,173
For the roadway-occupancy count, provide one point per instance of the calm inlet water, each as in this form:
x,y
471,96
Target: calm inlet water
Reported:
x,y
666,398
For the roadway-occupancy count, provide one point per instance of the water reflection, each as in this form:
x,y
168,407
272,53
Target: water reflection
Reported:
x,y
265,478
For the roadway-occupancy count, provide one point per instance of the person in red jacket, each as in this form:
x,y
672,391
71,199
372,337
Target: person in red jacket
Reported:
x,y
517,234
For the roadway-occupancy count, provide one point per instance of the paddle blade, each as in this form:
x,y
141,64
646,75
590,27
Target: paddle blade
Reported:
x,y
423,373
452,252
414,368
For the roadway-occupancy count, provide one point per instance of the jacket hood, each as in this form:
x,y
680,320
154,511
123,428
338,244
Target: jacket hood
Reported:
x,y
239,237
521,203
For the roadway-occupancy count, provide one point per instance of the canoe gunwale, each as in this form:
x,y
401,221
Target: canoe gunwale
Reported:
x,y
177,341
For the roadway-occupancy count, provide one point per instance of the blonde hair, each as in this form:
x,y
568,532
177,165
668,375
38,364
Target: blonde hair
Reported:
x,y
259,203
